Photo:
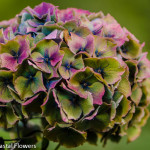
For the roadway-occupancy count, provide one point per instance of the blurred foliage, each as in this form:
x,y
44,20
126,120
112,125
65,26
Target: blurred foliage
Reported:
x,y
132,14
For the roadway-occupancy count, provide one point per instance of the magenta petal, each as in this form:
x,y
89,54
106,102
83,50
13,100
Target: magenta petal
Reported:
x,y
2,39
72,70
116,32
30,100
43,66
32,23
31,29
90,44
83,94
93,115
76,43
55,58
53,83
52,35
71,14
24,46
144,67
8,33
44,8
97,99
24,50
22,57
8,61
67,89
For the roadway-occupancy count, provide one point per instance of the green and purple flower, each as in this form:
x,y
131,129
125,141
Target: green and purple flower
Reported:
x,y
81,45
83,82
70,64
28,81
14,52
46,55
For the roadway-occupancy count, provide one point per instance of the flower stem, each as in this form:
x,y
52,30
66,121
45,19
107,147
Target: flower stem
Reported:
x,y
57,147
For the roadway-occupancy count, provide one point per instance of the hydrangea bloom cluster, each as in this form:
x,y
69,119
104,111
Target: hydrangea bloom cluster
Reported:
x,y
80,73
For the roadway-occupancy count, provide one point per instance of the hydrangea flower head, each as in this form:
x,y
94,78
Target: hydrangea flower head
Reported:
x,y
80,73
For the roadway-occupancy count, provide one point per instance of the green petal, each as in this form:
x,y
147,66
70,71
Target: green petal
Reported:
x,y
124,87
104,47
133,133
133,70
47,29
102,120
5,94
39,37
9,46
131,49
113,110
92,138
138,115
43,45
14,94
78,62
73,112
63,72
107,96
11,116
24,70
50,110
145,118
70,25
136,95
117,98
33,105
82,31
110,67
37,84
68,55
23,87
87,105
122,109
97,89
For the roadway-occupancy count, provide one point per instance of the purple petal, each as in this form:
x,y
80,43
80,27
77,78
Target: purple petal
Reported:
x,y
90,44
52,35
8,61
44,8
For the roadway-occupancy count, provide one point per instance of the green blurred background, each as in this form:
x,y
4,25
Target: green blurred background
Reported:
x,y
132,14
